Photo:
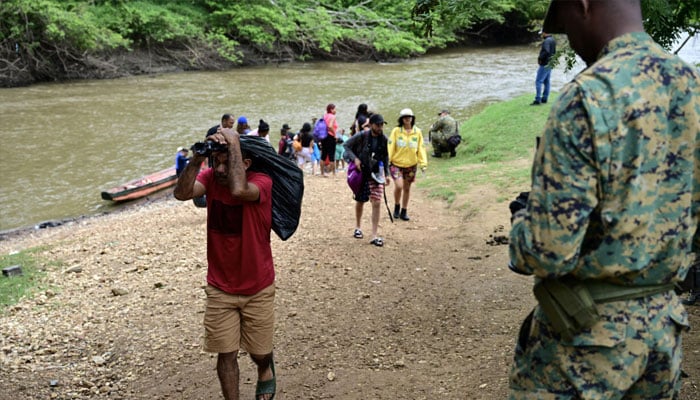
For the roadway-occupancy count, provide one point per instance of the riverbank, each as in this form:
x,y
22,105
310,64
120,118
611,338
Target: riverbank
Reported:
x,y
57,41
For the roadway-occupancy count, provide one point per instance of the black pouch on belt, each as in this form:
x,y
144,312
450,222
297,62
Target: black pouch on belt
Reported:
x,y
568,306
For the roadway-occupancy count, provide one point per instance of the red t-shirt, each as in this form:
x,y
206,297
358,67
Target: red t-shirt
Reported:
x,y
238,236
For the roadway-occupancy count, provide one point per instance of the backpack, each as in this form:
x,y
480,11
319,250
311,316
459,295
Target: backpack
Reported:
x,y
455,139
320,129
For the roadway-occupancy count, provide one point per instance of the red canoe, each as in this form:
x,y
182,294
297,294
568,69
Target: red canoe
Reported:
x,y
142,187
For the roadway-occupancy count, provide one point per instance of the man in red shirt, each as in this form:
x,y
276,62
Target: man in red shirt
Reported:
x,y
240,277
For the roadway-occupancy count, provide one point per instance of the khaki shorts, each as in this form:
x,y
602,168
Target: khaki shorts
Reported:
x,y
232,322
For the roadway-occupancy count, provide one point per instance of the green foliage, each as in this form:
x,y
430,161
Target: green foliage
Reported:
x,y
144,22
45,38
402,44
385,27
225,47
457,14
12,289
667,20
29,23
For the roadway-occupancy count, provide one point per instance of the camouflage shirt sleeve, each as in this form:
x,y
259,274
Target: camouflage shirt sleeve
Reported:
x,y
563,193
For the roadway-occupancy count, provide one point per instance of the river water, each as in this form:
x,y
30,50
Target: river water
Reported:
x,y
64,143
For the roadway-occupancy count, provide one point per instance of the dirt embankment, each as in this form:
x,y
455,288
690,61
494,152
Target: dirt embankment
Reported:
x,y
433,314
162,58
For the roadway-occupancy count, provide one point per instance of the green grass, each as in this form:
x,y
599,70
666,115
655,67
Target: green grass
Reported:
x,y
497,149
12,289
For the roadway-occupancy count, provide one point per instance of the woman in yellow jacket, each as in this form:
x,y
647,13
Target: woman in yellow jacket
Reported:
x,y
406,154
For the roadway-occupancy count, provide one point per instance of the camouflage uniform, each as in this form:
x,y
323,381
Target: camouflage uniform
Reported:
x,y
615,197
442,129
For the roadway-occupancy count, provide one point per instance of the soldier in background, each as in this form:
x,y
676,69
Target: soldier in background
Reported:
x,y
440,131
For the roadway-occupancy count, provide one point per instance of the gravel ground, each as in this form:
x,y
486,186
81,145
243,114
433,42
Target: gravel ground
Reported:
x,y
432,314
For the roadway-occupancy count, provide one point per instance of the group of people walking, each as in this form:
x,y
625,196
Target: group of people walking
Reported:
x,y
605,253
400,154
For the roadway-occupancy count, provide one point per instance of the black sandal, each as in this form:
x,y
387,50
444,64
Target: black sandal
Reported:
x,y
357,234
379,242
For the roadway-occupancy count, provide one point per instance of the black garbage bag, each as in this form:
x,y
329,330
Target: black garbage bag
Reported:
x,y
287,184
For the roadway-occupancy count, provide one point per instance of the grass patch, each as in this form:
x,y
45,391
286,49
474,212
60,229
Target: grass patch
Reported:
x,y
497,149
12,289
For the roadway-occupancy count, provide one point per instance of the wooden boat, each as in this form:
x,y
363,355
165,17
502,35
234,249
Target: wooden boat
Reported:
x,y
142,187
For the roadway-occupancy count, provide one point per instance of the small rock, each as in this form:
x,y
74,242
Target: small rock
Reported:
x,y
98,360
119,291
73,269
331,376
53,383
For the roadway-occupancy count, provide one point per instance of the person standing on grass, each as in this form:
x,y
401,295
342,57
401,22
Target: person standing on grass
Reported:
x,y
611,219
544,71
366,150
406,153
240,287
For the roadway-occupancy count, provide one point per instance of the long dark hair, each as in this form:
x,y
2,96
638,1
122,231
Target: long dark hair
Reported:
x,y
413,121
361,110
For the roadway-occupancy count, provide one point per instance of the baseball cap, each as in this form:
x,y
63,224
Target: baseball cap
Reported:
x,y
376,119
242,120
182,148
444,111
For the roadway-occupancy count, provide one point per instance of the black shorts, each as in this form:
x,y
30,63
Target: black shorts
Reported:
x,y
328,149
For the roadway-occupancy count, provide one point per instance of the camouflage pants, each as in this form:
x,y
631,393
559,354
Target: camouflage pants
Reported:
x,y
633,352
439,143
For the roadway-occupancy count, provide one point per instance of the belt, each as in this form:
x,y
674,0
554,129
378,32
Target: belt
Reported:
x,y
604,292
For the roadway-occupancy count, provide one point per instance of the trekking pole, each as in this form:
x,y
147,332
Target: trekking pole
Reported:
x,y
383,180
386,203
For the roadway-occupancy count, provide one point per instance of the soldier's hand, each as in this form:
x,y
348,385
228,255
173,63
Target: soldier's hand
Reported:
x,y
519,203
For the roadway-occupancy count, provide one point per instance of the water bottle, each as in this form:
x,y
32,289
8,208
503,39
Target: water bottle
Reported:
x,y
379,176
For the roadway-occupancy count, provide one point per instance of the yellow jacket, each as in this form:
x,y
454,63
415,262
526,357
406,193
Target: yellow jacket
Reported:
x,y
407,150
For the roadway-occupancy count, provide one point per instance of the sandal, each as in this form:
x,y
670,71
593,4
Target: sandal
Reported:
x,y
269,386
379,242
357,234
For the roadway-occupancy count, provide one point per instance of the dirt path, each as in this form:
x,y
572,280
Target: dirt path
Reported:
x,y
432,314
